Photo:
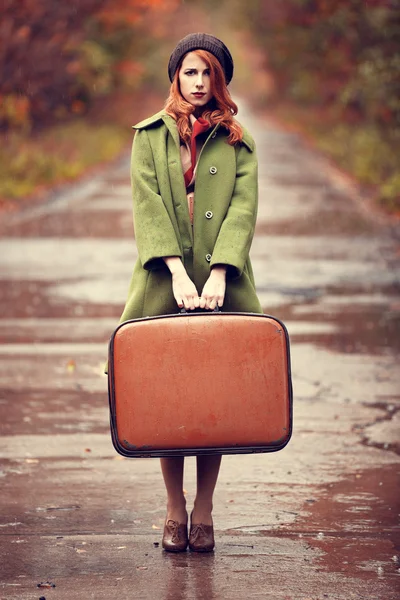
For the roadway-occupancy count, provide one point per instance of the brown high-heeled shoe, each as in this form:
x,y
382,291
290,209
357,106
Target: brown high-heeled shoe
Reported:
x,y
175,538
201,537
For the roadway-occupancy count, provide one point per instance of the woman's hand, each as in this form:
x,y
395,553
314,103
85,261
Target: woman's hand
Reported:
x,y
184,291
213,293
183,288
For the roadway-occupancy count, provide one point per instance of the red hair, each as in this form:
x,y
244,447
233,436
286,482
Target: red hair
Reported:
x,y
220,109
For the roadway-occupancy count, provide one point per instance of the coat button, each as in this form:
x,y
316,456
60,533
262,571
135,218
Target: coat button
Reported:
x,y
213,170
208,257
209,214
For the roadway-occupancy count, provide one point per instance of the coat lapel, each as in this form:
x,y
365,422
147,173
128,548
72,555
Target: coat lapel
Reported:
x,y
167,119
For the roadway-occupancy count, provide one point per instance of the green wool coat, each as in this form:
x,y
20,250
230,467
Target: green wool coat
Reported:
x,y
225,211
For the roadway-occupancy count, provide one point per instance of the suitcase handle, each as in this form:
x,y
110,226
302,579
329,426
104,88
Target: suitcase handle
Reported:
x,y
183,310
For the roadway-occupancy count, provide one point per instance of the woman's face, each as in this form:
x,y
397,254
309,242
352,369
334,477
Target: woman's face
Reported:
x,y
194,80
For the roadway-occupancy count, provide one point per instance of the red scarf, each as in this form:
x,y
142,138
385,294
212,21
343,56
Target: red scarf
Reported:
x,y
200,126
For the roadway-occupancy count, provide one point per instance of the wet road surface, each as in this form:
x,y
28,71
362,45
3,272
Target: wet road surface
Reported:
x,y
319,519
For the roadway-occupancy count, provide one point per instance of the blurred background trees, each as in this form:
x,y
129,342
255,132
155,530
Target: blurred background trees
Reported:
x,y
324,52
338,61
74,77
330,67
55,58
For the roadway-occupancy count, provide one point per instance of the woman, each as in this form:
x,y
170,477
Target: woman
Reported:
x,y
194,183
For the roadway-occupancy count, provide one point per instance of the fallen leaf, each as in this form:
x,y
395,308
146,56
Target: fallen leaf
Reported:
x,y
120,547
155,527
46,584
80,550
71,366
142,568
31,461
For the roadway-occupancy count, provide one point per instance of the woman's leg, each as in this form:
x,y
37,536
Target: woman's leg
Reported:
x,y
172,470
207,475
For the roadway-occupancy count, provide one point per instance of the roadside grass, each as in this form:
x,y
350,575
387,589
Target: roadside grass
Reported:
x,y
362,150
365,153
59,154
32,164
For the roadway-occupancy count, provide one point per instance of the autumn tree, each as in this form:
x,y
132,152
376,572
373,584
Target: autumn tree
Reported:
x,y
56,57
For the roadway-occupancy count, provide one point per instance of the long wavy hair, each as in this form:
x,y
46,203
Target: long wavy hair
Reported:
x,y
221,108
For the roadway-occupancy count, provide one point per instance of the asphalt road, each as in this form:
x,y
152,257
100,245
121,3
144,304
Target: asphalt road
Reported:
x,y
316,520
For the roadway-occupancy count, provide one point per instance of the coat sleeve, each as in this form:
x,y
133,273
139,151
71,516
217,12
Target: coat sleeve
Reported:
x,y
237,230
154,231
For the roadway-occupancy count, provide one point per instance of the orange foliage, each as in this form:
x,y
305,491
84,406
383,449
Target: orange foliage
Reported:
x,y
130,12
56,57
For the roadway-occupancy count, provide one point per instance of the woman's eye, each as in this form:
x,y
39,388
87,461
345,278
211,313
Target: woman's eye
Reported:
x,y
194,72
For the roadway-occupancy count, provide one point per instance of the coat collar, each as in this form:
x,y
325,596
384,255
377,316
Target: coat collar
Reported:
x,y
171,124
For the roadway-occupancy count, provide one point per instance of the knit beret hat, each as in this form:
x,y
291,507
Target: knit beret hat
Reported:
x,y
202,41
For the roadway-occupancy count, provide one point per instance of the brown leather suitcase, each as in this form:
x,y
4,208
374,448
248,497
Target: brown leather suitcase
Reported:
x,y
200,383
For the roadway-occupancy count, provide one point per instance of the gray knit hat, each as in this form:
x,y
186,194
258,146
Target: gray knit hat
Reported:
x,y
202,41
